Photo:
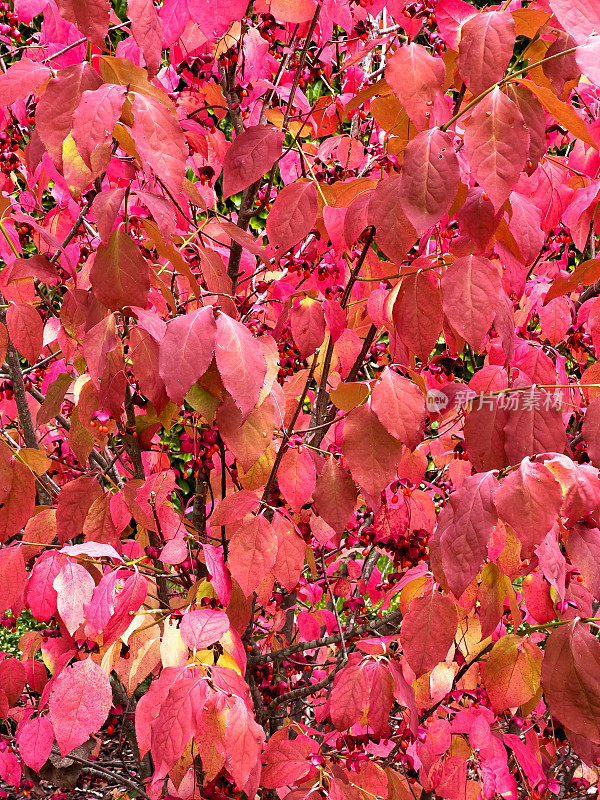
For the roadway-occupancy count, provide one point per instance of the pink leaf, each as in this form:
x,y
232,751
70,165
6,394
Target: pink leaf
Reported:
x,y
580,18
486,47
79,704
146,28
417,78
252,553
94,121
470,291
297,477
199,629
251,155
430,178
177,720
400,407
552,563
34,738
241,362
293,215
21,79
40,594
186,351
74,588
497,145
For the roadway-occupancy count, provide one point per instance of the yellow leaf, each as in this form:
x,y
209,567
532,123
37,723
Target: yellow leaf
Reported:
x,y
37,461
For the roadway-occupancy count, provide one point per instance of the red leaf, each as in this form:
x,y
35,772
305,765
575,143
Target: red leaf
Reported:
x,y
21,79
199,629
496,145
485,50
252,553
159,140
296,477
91,18
418,80
244,740
417,312
371,453
590,430
583,548
146,28
74,502
464,530
428,630
186,351
470,290
571,678
235,507
286,762
26,331
293,215
79,704
394,233
19,503
350,694
12,679
12,577
251,155
430,178
308,325
535,428
400,407
241,362
529,499
335,495
55,108
291,551
120,275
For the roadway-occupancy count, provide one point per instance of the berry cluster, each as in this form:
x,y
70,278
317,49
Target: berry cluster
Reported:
x,y
290,360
